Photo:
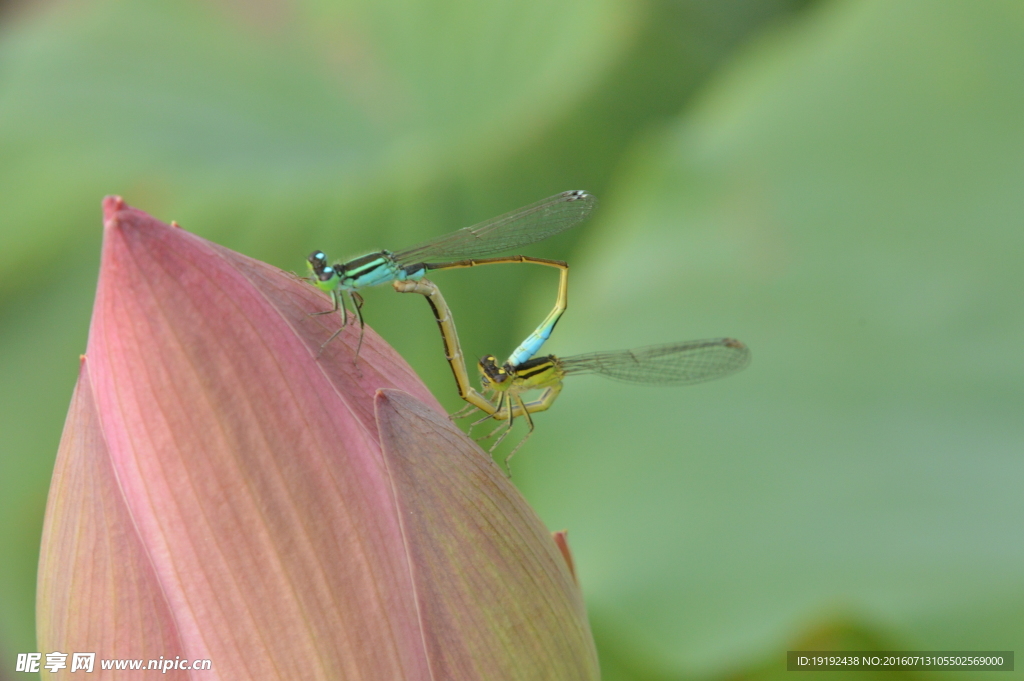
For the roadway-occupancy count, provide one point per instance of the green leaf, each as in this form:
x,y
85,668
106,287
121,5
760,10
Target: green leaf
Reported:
x,y
181,104
846,200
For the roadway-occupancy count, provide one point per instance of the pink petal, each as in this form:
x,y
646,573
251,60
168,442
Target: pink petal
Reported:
x,y
97,587
248,468
511,608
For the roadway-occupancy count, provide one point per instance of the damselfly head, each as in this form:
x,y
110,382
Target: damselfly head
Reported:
x,y
492,375
324,276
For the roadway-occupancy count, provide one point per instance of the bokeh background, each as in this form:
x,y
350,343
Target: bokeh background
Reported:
x,y
840,184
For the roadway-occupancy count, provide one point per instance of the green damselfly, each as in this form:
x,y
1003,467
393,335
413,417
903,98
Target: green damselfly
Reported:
x,y
466,247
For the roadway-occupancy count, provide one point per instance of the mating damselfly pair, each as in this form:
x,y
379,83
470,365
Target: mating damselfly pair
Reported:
x,y
505,384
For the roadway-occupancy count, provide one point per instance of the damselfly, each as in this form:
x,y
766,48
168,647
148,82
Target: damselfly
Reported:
x,y
466,247
682,363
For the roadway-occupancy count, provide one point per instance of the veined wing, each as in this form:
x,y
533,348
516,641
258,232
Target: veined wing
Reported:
x,y
526,225
671,364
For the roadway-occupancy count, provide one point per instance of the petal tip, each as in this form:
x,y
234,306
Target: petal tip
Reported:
x,y
112,205
561,538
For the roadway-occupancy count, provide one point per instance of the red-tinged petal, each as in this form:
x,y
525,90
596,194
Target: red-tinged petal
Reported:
x,y
561,538
92,556
496,596
229,480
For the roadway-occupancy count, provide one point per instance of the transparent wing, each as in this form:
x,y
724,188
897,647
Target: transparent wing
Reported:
x,y
524,226
672,364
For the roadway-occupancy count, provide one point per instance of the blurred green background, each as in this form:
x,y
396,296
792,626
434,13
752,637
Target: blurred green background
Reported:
x,y
838,184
